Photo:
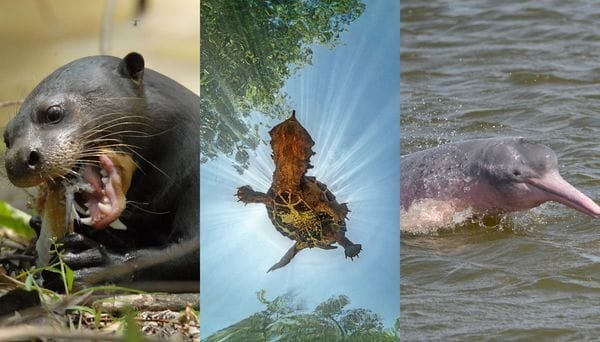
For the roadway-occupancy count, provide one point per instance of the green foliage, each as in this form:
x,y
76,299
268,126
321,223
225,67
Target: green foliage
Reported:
x,y
349,323
132,331
57,304
66,273
16,220
260,326
280,306
248,50
284,320
332,307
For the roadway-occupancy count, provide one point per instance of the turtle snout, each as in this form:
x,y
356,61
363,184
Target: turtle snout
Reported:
x,y
23,165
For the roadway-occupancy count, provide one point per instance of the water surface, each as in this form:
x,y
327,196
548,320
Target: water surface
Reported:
x,y
472,69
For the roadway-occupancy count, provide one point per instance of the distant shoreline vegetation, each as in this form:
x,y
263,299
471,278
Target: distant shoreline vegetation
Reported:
x,y
285,319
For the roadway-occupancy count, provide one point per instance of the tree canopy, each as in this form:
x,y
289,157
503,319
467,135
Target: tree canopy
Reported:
x,y
248,50
284,319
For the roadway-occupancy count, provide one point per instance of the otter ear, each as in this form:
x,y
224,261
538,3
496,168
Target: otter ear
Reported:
x,y
132,66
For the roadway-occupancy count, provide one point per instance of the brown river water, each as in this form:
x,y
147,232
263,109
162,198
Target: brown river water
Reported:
x,y
472,69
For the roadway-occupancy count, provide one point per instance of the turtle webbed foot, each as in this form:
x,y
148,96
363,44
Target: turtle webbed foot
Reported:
x,y
350,249
247,195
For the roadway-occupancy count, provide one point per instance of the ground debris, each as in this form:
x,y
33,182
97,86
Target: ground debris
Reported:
x,y
165,324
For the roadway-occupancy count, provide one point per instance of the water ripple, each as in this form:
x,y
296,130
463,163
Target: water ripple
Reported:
x,y
483,69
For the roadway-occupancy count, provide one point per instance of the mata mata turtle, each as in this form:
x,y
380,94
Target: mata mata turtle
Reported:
x,y
299,206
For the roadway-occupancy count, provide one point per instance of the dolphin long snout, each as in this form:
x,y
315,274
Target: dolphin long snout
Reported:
x,y
559,190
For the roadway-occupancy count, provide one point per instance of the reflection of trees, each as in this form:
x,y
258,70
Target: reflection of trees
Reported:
x,y
248,49
283,319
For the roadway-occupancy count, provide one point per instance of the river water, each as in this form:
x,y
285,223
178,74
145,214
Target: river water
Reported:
x,y
472,69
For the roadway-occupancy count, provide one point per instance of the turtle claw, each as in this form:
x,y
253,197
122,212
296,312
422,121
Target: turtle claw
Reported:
x,y
352,251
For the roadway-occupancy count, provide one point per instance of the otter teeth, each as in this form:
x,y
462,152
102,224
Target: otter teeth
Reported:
x,y
117,224
105,208
88,221
103,173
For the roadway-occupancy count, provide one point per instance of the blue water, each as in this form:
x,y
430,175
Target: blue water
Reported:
x,y
348,100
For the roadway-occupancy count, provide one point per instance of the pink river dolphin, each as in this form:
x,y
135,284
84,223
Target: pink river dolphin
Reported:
x,y
488,176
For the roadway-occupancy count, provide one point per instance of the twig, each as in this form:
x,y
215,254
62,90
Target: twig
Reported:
x,y
147,302
142,262
30,332
18,257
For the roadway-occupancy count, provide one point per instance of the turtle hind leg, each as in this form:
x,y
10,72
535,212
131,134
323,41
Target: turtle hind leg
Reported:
x,y
350,249
288,256
247,195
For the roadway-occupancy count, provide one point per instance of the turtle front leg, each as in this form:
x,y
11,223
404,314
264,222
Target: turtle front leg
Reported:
x,y
350,249
247,195
287,257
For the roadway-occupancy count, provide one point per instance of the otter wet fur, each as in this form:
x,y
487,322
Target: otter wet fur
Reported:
x,y
116,145
299,206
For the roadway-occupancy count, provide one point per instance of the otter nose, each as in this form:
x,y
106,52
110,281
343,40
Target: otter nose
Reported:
x,y
23,165
34,160
25,159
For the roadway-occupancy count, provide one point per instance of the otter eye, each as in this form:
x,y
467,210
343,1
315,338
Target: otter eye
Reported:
x,y
53,114
516,173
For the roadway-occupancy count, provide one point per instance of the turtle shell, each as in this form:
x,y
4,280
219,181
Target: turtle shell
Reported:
x,y
294,217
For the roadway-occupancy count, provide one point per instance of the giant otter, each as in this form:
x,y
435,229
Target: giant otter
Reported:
x,y
112,144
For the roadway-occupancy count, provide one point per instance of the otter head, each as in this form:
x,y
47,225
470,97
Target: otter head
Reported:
x,y
73,126
525,175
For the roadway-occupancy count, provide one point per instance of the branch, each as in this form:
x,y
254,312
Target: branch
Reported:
x,y
31,332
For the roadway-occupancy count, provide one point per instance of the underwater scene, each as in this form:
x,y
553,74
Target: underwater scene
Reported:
x,y
299,174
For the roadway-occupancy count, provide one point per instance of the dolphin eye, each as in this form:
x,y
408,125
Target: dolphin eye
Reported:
x,y
53,115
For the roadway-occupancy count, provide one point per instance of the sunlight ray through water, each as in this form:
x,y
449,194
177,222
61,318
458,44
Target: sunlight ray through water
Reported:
x,y
348,102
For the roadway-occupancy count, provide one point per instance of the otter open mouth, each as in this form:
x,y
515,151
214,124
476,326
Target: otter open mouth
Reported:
x,y
99,191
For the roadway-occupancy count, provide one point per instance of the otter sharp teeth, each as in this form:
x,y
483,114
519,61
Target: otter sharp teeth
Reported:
x,y
117,224
105,200
103,173
88,221
104,180
105,208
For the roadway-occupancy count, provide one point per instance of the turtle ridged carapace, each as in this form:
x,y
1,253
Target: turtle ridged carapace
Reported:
x,y
299,206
